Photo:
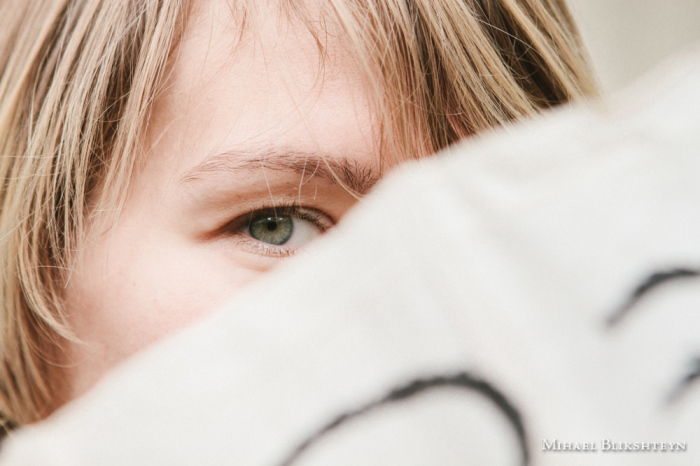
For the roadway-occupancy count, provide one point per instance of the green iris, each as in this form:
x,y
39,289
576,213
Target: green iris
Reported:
x,y
275,230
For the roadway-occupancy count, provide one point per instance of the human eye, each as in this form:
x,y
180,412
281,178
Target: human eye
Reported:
x,y
279,231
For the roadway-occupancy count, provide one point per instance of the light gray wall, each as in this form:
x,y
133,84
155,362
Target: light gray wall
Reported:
x,y
627,37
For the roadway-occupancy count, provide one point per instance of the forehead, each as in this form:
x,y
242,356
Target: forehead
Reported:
x,y
266,82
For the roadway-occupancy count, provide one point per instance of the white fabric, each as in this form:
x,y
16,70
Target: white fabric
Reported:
x,y
502,259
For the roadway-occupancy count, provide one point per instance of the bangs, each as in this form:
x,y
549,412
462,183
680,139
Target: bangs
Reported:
x,y
440,71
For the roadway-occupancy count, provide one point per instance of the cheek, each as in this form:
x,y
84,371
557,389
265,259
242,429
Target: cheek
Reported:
x,y
136,287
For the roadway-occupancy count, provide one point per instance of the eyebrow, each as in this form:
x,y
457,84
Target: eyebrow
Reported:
x,y
360,178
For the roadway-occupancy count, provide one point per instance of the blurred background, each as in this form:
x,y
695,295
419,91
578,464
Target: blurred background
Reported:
x,y
625,38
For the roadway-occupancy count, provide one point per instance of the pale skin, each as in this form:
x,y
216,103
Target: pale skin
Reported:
x,y
237,137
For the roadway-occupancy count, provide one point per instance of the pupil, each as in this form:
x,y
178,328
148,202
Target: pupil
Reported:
x,y
272,230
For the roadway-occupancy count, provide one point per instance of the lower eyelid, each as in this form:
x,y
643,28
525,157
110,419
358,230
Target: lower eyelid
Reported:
x,y
258,247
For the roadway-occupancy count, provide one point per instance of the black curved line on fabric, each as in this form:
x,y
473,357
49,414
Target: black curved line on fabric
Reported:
x,y
652,282
690,379
419,386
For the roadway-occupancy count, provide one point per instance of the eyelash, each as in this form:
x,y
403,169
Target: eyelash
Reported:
x,y
238,226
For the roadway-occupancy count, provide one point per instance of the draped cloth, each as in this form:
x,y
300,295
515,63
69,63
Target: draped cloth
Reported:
x,y
523,297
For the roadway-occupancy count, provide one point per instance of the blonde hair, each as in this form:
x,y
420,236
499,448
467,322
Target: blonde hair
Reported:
x,y
77,85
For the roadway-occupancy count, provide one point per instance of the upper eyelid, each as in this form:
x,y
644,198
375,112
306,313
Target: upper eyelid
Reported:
x,y
293,209
211,213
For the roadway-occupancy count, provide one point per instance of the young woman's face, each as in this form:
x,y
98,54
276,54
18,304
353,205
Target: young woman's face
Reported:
x,y
232,181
